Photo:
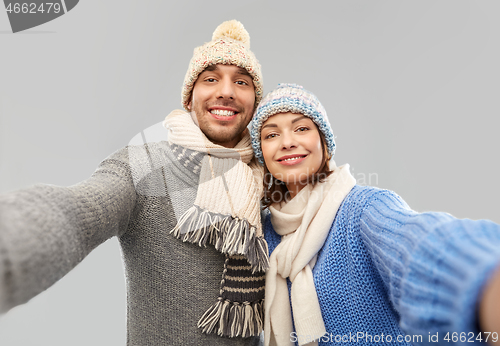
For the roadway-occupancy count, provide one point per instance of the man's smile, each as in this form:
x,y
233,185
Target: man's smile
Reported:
x,y
223,113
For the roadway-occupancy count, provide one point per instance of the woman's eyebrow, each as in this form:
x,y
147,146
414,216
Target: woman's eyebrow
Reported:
x,y
298,118
269,125
293,121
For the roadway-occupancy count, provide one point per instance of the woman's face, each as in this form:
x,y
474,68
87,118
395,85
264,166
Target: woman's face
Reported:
x,y
292,149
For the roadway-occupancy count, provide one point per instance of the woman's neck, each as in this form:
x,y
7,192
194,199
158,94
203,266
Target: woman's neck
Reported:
x,y
294,188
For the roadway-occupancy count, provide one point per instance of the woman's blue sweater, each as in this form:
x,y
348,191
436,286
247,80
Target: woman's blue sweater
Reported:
x,y
389,275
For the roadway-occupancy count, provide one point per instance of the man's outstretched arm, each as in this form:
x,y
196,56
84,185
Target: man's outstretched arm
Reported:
x,y
46,230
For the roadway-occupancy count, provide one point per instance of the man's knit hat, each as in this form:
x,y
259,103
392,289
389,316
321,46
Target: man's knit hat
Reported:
x,y
291,98
230,45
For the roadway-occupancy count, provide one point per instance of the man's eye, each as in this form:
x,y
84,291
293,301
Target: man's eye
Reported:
x,y
241,82
210,80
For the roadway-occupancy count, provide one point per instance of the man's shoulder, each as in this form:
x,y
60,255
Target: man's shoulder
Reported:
x,y
139,158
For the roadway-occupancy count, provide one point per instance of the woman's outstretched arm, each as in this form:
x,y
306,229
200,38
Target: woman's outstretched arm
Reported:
x,y
489,307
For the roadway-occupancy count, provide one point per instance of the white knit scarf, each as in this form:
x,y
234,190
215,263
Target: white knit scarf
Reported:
x,y
303,223
226,213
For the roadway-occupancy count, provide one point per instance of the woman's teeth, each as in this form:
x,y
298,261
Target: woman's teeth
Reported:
x,y
293,158
221,112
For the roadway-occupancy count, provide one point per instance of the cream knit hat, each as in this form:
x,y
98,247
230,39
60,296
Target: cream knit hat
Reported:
x,y
230,45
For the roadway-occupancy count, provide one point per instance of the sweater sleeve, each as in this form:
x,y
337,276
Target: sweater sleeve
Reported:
x,y
46,230
433,265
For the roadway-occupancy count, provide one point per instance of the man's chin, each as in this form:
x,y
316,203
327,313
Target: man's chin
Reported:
x,y
223,139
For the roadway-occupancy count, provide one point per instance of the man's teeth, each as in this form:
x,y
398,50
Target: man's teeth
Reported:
x,y
293,158
221,112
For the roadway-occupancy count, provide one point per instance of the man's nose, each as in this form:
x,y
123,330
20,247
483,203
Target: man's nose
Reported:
x,y
226,89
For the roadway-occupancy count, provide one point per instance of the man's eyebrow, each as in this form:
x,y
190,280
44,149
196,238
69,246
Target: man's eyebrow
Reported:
x,y
211,68
241,70
244,72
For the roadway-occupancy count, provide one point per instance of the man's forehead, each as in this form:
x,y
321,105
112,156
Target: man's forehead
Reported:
x,y
239,70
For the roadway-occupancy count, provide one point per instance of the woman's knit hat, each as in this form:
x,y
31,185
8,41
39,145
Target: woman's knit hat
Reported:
x,y
230,45
291,98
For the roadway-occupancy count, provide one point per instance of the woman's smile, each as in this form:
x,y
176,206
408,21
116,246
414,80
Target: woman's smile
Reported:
x,y
289,160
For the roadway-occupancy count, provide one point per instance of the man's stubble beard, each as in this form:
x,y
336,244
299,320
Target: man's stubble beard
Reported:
x,y
222,134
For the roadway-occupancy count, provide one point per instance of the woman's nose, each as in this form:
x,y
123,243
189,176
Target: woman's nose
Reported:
x,y
288,141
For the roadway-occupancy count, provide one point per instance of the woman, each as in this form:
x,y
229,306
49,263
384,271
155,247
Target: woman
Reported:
x,y
356,264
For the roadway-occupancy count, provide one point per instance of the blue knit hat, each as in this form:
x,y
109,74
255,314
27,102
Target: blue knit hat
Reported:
x,y
291,98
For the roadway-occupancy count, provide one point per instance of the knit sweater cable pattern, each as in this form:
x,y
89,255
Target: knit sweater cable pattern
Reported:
x,y
386,269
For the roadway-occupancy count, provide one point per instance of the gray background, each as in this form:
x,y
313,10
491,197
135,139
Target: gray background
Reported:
x,y
411,89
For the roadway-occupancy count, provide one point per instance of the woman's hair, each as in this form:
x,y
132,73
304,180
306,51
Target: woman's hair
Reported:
x,y
275,191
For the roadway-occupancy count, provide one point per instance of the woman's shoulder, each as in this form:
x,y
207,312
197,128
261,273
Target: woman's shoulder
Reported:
x,y
362,196
362,193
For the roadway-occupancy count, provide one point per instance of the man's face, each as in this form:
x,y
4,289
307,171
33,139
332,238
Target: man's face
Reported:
x,y
223,100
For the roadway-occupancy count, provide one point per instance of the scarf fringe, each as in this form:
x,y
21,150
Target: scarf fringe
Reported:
x,y
231,236
233,319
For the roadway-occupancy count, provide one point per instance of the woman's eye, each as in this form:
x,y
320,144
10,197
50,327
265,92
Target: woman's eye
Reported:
x,y
271,135
300,129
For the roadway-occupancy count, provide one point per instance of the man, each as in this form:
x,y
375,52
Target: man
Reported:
x,y
185,211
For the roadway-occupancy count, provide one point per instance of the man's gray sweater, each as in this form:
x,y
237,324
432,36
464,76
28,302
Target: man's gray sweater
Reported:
x,y
137,194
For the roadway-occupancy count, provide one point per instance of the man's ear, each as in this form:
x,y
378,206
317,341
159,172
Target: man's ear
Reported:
x,y
190,101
